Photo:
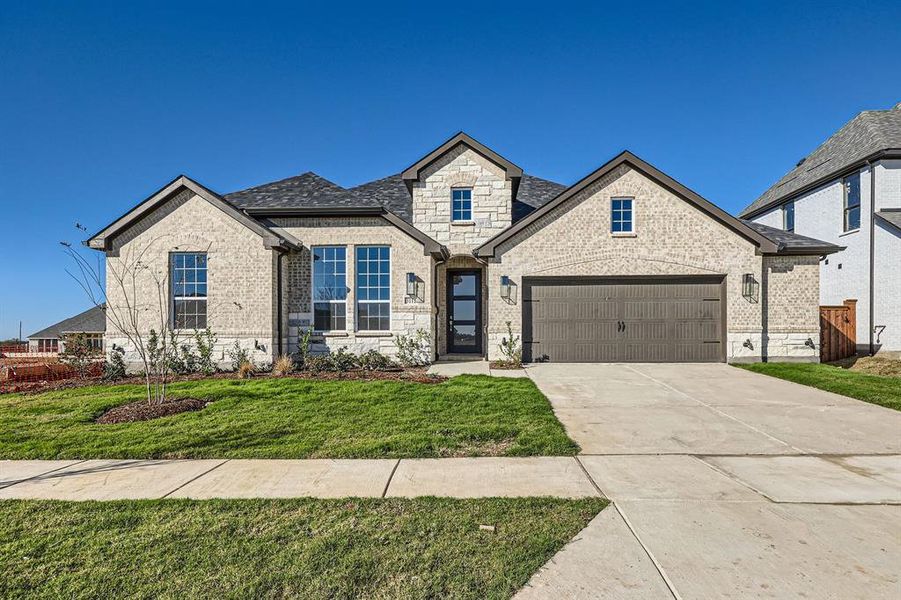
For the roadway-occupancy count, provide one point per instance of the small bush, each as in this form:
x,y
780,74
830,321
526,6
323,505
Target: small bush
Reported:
x,y
511,349
206,342
373,360
239,356
303,351
246,370
342,360
114,367
318,363
284,365
414,350
79,353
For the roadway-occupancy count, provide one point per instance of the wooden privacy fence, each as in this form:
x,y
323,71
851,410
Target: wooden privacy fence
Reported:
x,y
838,331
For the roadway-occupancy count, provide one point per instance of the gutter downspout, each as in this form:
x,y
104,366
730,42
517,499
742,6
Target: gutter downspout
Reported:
x,y
278,310
435,318
872,253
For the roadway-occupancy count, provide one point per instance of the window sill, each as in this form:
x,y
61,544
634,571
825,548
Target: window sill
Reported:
x,y
330,334
374,334
849,232
463,223
623,234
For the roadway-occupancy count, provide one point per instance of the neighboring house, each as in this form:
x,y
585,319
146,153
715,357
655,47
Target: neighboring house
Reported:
x,y
848,192
625,265
91,322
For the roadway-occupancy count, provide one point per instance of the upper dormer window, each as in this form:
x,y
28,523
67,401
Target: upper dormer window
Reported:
x,y
461,204
788,216
621,215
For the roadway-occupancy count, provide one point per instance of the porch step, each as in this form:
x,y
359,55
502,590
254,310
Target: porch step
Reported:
x,y
461,358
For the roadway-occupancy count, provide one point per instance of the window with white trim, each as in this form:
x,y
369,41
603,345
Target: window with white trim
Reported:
x,y
189,290
621,215
329,288
788,216
373,288
461,204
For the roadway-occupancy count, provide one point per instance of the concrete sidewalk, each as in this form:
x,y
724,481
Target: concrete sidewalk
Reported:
x,y
320,478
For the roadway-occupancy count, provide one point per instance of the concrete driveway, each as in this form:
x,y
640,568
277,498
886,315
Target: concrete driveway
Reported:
x,y
726,484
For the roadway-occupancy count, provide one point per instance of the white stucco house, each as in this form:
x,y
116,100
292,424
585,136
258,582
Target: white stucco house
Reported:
x,y
848,192
626,264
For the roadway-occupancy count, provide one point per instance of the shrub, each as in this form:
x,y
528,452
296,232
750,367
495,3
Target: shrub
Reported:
x,y
303,351
414,350
114,367
511,349
206,342
373,360
246,370
239,356
318,363
182,359
284,365
79,353
342,360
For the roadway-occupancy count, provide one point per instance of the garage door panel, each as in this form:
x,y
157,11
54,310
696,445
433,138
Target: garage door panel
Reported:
x,y
587,320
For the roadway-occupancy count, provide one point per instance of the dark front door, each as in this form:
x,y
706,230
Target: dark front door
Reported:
x,y
464,312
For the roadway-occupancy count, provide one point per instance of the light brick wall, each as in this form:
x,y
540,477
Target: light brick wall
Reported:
x,y
671,238
240,274
792,307
491,199
407,255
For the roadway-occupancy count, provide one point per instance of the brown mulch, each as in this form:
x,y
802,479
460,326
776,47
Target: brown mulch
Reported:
x,y
872,365
501,365
413,375
144,411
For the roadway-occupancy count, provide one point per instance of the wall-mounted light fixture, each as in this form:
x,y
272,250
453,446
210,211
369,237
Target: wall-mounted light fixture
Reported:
x,y
505,287
411,284
749,287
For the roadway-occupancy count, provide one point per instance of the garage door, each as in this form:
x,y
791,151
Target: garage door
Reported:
x,y
623,320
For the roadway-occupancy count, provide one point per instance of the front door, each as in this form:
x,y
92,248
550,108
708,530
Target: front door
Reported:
x,y
464,312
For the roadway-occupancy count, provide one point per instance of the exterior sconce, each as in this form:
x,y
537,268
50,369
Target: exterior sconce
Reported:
x,y
505,287
411,285
749,287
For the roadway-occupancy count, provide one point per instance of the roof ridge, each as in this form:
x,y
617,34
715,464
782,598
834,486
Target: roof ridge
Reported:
x,y
304,174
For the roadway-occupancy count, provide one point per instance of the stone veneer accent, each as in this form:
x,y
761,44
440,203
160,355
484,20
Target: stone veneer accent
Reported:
x,y
407,255
241,302
491,199
671,237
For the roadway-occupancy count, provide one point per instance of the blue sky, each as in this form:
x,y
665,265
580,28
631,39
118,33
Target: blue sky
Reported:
x,y
101,104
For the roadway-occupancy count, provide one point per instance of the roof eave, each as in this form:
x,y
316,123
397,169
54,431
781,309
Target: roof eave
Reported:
x,y
411,173
884,154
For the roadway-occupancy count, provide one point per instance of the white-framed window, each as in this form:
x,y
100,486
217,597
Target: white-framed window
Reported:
x,y
48,345
851,185
187,272
329,288
621,220
373,269
461,204
788,216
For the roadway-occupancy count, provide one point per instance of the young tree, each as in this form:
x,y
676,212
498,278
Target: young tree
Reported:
x,y
79,353
136,299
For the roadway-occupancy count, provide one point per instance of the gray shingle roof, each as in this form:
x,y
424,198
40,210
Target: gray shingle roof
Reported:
x,y
791,242
92,320
534,192
308,189
891,215
867,133
390,192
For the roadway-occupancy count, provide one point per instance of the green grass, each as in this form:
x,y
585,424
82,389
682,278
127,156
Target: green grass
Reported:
x,y
305,548
293,418
884,391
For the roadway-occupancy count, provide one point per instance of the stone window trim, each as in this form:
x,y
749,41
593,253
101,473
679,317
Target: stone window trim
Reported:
x,y
622,216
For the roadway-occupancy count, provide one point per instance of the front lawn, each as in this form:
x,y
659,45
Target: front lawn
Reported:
x,y
305,548
876,389
293,418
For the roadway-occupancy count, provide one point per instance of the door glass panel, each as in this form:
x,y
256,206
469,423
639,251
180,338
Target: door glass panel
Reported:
x,y
464,285
464,335
464,310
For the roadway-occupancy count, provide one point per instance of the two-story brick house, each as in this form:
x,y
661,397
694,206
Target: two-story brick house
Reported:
x,y
848,192
625,265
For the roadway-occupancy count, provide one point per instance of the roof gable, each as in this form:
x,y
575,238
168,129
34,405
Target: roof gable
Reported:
x,y
101,240
411,173
863,138
765,245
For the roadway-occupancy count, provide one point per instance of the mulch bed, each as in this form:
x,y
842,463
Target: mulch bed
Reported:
x,y
144,411
412,375
503,365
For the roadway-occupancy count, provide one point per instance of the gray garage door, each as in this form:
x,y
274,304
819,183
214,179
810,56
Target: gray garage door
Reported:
x,y
623,320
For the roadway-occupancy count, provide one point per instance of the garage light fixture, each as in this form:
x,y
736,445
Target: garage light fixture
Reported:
x,y
749,287
505,287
